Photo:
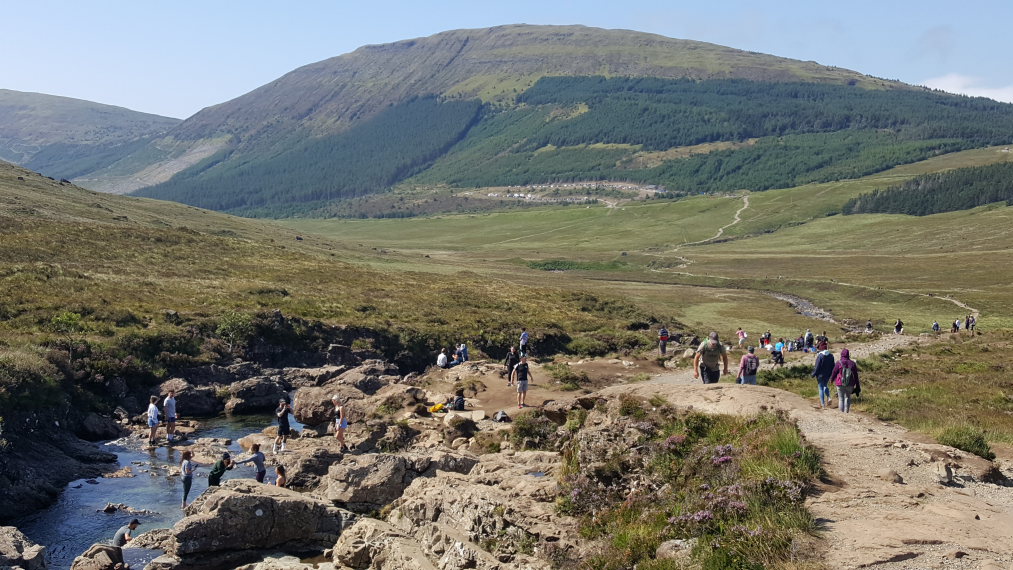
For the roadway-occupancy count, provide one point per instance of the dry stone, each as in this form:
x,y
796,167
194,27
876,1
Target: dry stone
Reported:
x,y
254,395
100,557
17,550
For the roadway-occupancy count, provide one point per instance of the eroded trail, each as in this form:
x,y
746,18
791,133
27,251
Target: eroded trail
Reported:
x,y
883,504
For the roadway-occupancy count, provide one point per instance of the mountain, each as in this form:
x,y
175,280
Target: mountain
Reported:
x,y
66,137
519,105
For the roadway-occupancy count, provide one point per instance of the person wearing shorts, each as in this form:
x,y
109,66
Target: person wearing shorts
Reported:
x,y
284,429
521,375
152,419
708,359
340,421
169,407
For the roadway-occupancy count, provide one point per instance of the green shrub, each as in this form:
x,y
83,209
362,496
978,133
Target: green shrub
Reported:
x,y
586,346
569,378
967,438
532,431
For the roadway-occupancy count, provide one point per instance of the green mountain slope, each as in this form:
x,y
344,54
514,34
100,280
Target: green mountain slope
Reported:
x,y
492,65
65,137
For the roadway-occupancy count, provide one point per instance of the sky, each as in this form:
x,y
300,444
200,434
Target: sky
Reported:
x,y
176,57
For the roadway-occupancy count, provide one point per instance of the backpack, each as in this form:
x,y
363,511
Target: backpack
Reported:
x,y
752,365
500,416
458,405
847,377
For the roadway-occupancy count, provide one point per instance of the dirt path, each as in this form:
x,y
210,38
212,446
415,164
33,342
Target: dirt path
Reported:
x,y
882,504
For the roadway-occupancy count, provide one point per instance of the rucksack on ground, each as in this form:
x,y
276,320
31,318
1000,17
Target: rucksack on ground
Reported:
x,y
500,416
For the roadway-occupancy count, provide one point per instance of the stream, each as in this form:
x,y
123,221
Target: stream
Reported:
x,y
76,521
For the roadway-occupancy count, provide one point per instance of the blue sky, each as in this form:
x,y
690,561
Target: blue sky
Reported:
x,y
174,58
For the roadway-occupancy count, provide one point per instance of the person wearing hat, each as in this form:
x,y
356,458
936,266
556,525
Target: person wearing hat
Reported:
x,y
218,469
283,426
748,367
709,357
340,421
123,536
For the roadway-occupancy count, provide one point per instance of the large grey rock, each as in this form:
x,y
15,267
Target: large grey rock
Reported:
x,y
371,543
228,523
370,376
254,395
313,406
99,557
98,428
306,377
17,550
364,483
191,400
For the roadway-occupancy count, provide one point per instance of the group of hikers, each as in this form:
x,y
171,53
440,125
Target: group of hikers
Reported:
x,y
710,362
517,371
969,323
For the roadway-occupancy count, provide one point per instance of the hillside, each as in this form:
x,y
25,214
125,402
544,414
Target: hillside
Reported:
x,y
493,66
66,137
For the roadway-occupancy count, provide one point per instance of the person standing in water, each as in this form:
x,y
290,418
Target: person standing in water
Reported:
x,y
257,459
186,468
152,419
169,407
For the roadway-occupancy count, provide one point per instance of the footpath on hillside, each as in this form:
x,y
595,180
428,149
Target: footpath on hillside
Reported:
x,y
890,499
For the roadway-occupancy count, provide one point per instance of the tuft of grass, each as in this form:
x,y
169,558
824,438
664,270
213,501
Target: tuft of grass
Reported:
x,y
967,438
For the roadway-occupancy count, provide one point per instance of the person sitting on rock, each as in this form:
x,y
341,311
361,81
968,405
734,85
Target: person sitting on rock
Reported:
x,y
441,360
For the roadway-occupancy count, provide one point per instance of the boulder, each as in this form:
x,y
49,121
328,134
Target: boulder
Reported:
x,y
364,483
305,377
237,522
215,374
371,543
100,557
155,539
307,468
99,428
369,377
393,398
256,394
284,562
191,400
17,550
313,406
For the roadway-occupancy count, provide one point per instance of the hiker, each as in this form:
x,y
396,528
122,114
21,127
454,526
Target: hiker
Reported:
x,y
525,337
457,402
169,407
935,327
462,352
765,339
967,323
511,360
742,336
777,354
810,340
822,342
152,419
662,340
257,459
708,359
284,428
442,359
972,322
898,327
845,376
186,468
748,367
280,479
124,535
822,371
868,326
340,421
218,469
521,375
955,327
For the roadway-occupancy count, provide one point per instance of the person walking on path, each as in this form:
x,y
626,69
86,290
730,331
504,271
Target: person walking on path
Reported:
x,y
742,336
218,469
777,354
845,377
124,534
521,375
340,421
284,428
257,459
708,359
822,371
525,337
186,468
663,340
935,327
511,360
748,367
898,327
152,420
169,407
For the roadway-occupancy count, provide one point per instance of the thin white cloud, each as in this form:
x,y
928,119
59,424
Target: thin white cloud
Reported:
x,y
968,85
